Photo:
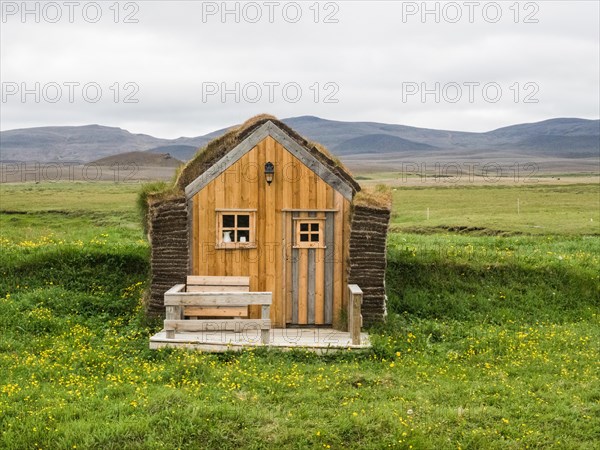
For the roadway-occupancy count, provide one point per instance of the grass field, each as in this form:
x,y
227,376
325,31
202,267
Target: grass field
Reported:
x,y
493,338
572,209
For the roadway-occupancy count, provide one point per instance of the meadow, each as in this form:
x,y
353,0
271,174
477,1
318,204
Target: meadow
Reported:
x,y
492,340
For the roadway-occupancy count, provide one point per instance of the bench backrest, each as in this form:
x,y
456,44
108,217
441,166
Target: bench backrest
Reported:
x,y
202,283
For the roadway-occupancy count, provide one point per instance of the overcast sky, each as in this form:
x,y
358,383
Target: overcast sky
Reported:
x,y
173,69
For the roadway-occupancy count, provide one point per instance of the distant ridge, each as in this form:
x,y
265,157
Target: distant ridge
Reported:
x,y
145,159
181,152
553,138
378,143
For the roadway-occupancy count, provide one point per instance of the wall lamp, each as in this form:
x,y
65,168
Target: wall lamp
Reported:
x,y
269,172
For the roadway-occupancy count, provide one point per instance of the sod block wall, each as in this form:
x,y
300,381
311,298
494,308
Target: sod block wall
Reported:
x,y
168,234
368,259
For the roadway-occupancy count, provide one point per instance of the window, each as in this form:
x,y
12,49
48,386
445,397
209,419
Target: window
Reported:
x,y
309,233
235,229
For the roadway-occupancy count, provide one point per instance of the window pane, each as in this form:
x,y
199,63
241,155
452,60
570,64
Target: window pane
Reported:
x,y
228,221
243,221
314,238
314,227
304,238
303,227
243,236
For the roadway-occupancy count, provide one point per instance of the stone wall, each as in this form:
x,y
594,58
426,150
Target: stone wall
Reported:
x,y
168,235
368,238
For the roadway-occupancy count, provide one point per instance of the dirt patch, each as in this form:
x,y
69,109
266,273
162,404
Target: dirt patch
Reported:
x,y
457,229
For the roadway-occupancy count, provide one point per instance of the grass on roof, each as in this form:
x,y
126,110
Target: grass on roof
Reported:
x,y
379,196
215,150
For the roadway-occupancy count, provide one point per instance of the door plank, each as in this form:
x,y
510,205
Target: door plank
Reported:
x,y
310,288
302,286
329,268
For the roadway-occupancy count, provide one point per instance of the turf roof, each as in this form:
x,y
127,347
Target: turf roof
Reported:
x,y
212,152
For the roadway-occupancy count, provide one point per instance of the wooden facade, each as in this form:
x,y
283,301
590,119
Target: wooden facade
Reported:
x,y
295,230
264,207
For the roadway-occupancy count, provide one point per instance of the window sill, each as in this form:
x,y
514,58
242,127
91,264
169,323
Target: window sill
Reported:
x,y
309,246
235,245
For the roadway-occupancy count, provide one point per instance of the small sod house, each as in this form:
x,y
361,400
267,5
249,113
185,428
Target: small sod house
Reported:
x,y
265,203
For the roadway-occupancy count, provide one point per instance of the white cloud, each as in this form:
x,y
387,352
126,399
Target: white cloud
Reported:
x,y
368,54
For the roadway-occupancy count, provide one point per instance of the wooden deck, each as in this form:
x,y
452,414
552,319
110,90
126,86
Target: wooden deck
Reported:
x,y
319,340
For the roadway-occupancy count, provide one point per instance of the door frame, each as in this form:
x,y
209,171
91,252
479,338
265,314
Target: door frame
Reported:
x,y
289,286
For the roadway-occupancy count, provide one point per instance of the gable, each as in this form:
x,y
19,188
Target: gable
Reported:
x,y
300,152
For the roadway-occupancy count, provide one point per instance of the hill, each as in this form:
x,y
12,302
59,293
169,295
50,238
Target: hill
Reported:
x,y
141,159
378,143
78,143
581,133
181,152
561,138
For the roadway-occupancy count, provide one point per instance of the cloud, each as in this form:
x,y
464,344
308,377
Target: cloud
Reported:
x,y
357,68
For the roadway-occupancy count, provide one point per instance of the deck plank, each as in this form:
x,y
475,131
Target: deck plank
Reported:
x,y
319,340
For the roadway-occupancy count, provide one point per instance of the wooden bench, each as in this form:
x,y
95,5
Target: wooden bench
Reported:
x,y
208,303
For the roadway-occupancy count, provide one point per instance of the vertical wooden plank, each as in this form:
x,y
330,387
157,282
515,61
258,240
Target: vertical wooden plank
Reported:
x,y
321,201
319,286
301,185
261,224
345,253
298,182
230,185
271,233
338,264
195,234
284,268
244,189
330,197
295,276
355,296
320,275
220,255
289,257
290,199
279,250
329,267
310,287
278,299
302,286
310,275
244,178
219,186
295,287
207,243
200,202
312,189
230,200
252,175
286,172
172,313
265,333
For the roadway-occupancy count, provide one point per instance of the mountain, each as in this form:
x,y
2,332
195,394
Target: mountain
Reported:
x,y
332,132
569,138
78,144
551,127
537,137
572,138
181,152
378,143
139,159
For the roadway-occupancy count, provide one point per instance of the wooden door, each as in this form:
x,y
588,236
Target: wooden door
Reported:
x,y
310,262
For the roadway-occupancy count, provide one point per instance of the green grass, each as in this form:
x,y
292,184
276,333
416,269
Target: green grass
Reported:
x,y
71,211
527,209
492,342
